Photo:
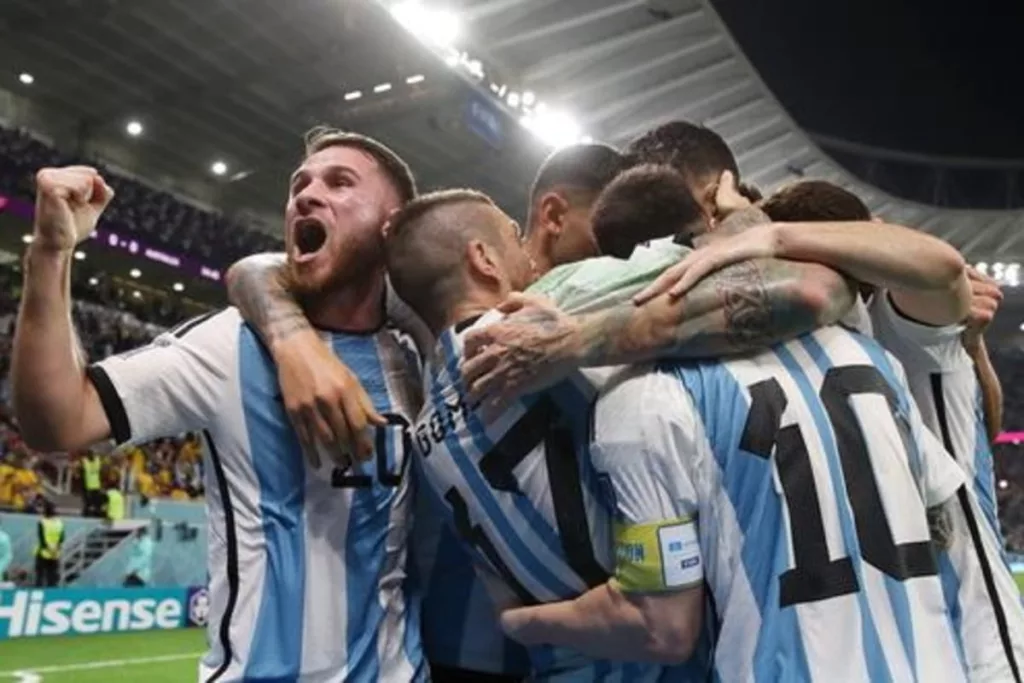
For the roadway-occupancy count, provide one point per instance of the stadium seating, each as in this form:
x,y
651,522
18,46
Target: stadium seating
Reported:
x,y
156,217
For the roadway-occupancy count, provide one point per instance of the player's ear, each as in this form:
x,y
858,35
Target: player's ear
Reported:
x,y
552,208
482,261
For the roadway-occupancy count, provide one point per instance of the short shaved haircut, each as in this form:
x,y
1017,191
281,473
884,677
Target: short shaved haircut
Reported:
x,y
426,245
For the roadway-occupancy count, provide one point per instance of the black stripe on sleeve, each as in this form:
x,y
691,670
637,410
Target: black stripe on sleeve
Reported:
x,y
187,326
224,634
120,427
972,524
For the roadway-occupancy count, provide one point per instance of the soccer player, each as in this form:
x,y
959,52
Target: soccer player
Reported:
x,y
307,564
944,383
514,488
761,469
461,635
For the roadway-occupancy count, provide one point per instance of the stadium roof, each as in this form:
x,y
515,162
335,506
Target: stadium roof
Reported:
x,y
221,81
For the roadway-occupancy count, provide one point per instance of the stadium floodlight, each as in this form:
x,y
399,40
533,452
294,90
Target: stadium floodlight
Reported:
x,y
1022,327
137,294
178,287
27,239
79,255
354,95
219,168
134,128
383,87
1003,484
557,129
529,98
135,272
413,80
434,26
26,78
513,99
93,282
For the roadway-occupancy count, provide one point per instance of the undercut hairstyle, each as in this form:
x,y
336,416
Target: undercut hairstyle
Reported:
x,y
425,248
394,167
814,201
695,151
581,170
643,203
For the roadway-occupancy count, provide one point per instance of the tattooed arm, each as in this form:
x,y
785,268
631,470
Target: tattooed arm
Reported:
x,y
256,286
325,401
740,308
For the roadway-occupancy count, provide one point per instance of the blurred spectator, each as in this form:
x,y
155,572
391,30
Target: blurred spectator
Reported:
x,y
93,498
140,564
156,217
6,554
51,542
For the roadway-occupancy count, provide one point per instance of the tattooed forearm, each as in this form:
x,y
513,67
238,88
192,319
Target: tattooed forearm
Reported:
x,y
742,220
256,286
741,308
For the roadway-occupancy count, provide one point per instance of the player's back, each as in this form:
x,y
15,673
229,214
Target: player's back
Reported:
x,y
518,491
812,512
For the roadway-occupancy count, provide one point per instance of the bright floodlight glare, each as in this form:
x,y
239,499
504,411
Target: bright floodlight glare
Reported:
x,y
137,294
413,80
354,95
436,26
135,272
27,239
513,99
557,129
529,98
219,168
178,287
79,255
26,78
1003,484
93,281
134,128
1022,327
383,87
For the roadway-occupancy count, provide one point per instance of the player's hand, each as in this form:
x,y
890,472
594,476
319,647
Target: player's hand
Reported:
x,y
758,242
325,401
986,296
728,198
69,202
531,349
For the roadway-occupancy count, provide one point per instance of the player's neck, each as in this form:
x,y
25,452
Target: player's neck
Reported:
x,y
542,263
358,307
473,306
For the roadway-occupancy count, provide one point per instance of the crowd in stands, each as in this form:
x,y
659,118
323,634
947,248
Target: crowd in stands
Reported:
x,y
157,218
107,324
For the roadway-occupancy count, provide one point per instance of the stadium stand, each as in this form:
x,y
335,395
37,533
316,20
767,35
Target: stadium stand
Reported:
x,y
155,216
108,322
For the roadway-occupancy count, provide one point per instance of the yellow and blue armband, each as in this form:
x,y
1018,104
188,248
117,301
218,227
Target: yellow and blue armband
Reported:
x,y
657,556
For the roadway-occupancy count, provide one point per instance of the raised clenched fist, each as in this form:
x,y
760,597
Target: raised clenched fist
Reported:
x,y
69,202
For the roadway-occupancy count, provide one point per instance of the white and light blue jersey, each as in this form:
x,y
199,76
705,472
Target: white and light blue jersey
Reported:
x,y
942,379
307,566
460,623
519,494
810,473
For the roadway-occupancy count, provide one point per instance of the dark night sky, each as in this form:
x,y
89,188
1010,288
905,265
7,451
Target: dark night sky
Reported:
x,y
938,78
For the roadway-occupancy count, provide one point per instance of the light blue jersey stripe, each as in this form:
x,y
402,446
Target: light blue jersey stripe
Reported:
x,y
877,667
364,544
488,501
276,650
748,482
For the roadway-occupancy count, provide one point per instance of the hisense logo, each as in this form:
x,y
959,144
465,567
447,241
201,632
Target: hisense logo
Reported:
x,y
31,615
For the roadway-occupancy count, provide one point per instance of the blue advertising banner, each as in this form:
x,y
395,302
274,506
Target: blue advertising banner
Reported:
x,y
26,613
485,120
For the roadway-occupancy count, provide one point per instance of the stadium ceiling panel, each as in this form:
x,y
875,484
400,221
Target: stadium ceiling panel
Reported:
x,y
623,66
